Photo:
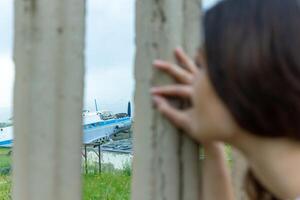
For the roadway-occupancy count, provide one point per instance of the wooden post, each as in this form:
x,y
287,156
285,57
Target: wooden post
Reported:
x,y
49,59
166,164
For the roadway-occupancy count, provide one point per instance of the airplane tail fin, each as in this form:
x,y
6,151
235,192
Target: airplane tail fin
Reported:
x,y
96,105
129,109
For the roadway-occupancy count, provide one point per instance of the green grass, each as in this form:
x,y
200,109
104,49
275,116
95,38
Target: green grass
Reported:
x,y
107,186
112,184
5,187
5,158
5,179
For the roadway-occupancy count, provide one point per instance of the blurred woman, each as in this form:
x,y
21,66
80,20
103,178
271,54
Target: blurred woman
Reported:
x,y
245,92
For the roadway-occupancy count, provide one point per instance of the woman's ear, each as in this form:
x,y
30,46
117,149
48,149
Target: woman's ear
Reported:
x,y
200,59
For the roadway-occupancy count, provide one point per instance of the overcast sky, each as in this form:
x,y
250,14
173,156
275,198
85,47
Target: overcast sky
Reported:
x,y
109,53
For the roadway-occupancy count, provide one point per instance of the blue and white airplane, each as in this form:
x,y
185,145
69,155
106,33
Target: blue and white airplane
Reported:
x,y
97,126
6,136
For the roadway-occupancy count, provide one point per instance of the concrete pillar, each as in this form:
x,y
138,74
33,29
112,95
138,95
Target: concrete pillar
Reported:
x,y
166,163
49,45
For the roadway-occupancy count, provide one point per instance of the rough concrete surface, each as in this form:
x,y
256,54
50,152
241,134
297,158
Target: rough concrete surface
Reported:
x,y
48,54
166,163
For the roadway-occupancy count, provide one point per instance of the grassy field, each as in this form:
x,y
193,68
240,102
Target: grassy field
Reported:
x,y
5,179
5,187
110,185
107,186
4,158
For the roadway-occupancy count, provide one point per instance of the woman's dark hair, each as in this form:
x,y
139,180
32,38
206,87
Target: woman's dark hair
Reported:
x,y
253,55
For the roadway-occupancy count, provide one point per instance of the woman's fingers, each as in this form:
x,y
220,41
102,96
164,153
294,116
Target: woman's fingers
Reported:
x,y
185,60
179,74
175,116
173,90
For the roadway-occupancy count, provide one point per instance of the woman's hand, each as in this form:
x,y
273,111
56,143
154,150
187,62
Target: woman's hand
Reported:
x,y
206,119
184,77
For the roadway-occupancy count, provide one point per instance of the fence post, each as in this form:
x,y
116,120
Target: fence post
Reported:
x,y
166,164
48,54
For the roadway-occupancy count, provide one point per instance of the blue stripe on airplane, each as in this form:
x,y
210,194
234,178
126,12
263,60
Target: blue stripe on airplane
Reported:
x,y
6,143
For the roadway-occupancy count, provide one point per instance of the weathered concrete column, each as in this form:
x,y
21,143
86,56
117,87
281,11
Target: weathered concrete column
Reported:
x,y
49,44
166,163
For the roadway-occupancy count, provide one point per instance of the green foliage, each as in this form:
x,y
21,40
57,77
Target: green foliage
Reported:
x,y
93,168
112,184
108,168
5,160
127,169
106,186
5,169
228,150
5,188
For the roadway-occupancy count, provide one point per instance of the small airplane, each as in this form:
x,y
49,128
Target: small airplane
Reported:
x,y
97,126
6,136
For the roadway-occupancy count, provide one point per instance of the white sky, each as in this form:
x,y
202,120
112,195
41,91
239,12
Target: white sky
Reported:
x,y
6,64
6,80
110,53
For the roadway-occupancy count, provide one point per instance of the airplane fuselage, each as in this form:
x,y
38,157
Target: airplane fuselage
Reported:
x,y
94,129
